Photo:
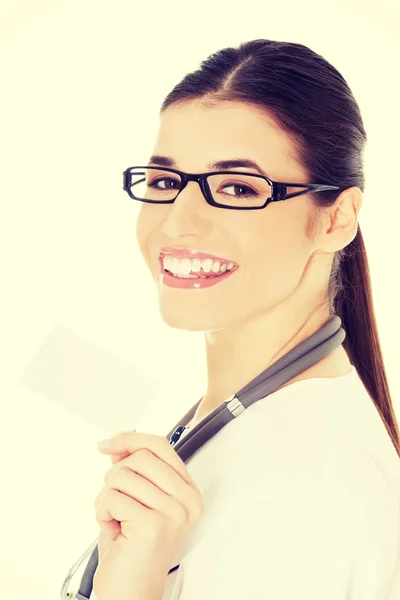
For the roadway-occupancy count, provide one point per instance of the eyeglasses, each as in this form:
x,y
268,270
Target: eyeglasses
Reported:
x,y
251,191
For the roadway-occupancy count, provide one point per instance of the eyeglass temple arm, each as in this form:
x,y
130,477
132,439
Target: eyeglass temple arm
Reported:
x,y
279,189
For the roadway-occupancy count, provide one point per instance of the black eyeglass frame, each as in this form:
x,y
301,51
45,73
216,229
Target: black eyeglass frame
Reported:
x,y
279,188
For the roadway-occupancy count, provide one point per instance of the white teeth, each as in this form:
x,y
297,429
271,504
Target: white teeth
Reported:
x,y
186,266
207,265
196,265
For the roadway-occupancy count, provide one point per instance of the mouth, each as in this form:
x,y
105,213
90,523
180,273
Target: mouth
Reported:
x,y
195,268
188,263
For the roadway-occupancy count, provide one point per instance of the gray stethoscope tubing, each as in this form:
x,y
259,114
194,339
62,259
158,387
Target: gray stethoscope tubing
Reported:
x,y
319,345
65,593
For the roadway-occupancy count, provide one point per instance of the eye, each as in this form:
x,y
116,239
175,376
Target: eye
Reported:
x,y
154,182
249,192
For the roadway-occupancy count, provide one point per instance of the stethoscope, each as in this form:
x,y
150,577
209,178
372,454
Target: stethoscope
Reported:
x,y
305,355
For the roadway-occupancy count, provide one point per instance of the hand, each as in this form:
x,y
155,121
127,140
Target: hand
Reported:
x,y
147,510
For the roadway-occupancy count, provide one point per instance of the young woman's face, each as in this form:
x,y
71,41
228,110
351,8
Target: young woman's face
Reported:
x,y
270,246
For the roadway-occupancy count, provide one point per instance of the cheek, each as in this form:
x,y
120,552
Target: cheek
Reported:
x,y
146,230
141,233
277,255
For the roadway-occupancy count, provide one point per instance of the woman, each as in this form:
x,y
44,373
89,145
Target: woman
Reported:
x,y
301,494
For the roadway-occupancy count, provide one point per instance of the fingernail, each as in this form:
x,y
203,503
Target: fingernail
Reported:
x,y
103,444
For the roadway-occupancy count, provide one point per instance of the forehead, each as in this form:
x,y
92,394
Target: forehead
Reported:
x,y
194,134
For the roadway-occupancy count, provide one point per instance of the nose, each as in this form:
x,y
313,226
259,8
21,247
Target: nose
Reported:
x,y
188,214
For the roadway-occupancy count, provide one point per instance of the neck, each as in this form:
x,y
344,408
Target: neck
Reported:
x,y
238,355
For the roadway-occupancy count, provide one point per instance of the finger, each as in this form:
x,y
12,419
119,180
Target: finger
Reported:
x,y
149,469
115,458
126,486
153,483
118,507
106,538
111,530
131,441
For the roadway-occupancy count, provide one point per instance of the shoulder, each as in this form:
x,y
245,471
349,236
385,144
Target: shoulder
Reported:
x,y
321,530
322,482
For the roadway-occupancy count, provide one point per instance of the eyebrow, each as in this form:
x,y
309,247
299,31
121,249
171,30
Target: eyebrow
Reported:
x,y
219,165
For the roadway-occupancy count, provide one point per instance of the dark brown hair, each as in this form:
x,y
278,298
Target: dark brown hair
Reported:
x,y
312,102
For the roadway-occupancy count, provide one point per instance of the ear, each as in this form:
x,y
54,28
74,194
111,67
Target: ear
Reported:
x,y
341,226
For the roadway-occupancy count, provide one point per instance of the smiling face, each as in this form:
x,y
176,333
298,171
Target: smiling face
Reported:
x,y
270,246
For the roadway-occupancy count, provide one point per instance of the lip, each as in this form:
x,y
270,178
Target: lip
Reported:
x,y
193,284
189,253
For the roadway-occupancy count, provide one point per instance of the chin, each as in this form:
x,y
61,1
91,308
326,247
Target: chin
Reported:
x,y
190,320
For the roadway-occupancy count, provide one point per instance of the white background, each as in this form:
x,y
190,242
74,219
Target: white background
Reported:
x,y
84,352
